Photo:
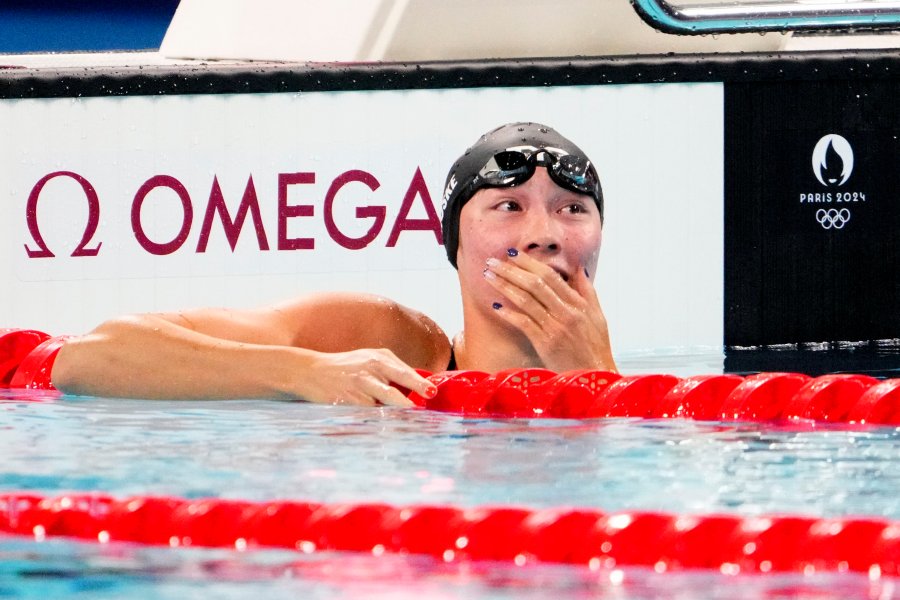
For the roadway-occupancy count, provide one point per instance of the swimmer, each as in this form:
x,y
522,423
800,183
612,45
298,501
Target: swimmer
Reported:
x,y
522,225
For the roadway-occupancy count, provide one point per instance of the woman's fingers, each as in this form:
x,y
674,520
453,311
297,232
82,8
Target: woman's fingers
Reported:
x,y
562,318
584,287
402,375
535,288
519,298
383,393
368,377
536,279
391,370
524,323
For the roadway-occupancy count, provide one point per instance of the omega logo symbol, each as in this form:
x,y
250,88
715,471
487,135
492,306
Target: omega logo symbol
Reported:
x,y
93,205
832,160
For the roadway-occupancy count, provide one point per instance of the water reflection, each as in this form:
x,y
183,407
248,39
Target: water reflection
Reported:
x,y
261,450
57,568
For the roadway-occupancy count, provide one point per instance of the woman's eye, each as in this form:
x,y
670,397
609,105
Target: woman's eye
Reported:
x,y
509,206
575,209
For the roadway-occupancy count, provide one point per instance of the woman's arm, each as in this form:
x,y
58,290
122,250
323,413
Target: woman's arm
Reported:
x,y
325,348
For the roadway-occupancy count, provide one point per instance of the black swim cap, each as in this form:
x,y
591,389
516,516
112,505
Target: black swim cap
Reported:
x,y
464,178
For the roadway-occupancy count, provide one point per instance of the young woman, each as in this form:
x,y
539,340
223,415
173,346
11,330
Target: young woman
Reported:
x,y
522,224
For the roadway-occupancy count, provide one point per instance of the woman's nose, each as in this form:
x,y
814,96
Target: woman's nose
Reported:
x,y
541,233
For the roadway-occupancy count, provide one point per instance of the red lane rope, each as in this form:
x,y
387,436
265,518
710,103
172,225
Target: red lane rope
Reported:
x,y
26,360
15,345
598,540
792,397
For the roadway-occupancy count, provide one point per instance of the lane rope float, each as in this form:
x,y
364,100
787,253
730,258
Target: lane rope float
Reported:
x,y
728,543
15,345
764,397
26,361
27,357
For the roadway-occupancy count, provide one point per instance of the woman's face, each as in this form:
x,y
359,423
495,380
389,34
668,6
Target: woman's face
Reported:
x,y
556,226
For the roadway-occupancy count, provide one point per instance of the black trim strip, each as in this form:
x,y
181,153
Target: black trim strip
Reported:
x,y
214,78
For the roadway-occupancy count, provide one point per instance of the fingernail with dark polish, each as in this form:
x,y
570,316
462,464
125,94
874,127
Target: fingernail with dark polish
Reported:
x,y
497,306
512,252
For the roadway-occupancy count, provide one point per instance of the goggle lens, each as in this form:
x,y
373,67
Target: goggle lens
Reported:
x,y
506,168
513,167
577,171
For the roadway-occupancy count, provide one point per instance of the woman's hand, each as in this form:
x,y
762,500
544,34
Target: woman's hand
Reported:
x,y
563,320
361,377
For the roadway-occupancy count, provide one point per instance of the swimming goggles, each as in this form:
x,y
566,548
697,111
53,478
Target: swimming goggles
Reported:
x,y
516,165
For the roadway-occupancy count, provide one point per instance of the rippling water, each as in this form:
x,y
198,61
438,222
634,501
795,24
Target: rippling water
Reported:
x,y
264,450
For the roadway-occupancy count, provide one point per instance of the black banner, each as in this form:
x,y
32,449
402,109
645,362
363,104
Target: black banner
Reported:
x,y
812,211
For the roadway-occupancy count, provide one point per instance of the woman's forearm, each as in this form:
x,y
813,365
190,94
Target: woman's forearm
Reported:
x,y
148,356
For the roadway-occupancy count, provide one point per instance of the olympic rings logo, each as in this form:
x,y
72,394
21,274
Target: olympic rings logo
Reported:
x,y
832,218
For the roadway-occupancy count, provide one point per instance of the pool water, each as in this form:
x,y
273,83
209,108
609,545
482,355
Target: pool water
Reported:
x,y
267,450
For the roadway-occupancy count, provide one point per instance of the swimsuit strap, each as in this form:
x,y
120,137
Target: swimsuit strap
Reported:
x,y
451,366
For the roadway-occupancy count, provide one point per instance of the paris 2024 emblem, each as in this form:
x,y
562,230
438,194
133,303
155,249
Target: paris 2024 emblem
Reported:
x,y
832,165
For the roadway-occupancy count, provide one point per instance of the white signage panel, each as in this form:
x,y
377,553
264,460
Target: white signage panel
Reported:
x,y
149,203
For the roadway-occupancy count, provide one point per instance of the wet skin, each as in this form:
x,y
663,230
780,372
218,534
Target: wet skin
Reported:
x,y
526,259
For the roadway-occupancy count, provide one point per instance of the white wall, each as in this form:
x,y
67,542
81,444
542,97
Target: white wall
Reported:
x,y
658,147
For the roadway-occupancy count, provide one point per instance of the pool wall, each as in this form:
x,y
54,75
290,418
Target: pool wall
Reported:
x,y
752,199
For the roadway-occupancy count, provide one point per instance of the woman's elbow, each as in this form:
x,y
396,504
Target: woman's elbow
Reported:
x,y
80,359
66,374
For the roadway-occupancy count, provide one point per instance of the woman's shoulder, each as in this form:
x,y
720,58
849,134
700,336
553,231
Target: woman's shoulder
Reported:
x,y
342,321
